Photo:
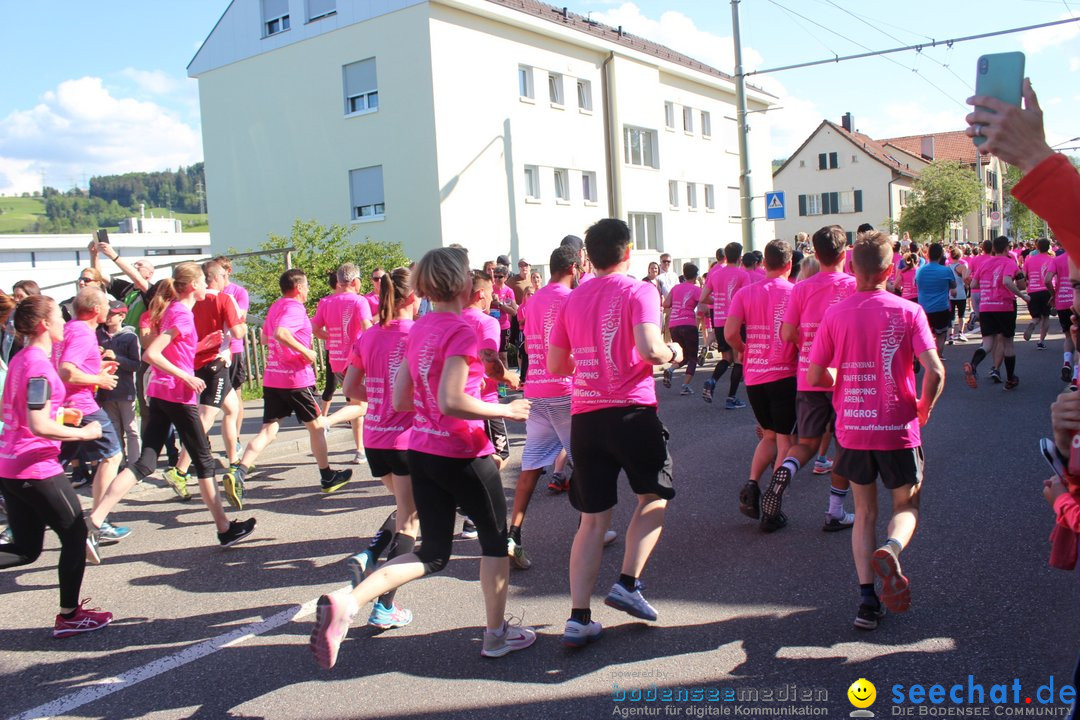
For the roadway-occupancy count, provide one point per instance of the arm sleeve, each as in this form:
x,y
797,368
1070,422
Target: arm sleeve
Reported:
x,y
558,335
1067,512
1052,191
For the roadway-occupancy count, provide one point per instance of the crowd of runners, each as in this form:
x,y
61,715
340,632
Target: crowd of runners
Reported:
x,y
837,341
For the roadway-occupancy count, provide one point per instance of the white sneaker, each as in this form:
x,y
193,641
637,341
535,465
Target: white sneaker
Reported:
x,y
578,634
508,639
609,537
359,458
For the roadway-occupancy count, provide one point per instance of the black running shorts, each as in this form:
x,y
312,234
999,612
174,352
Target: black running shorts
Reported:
x,y
1065,317
280,403
998,323
605,442
216,377
387,462
814,413
940,321
774,405
237,372
1039,307
496,432
897,468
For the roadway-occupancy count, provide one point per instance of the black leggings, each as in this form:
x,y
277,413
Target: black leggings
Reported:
x,y
162,414
440,485
330,386
32,506
687,337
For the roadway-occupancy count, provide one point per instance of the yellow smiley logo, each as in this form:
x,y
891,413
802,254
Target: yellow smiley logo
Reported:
x,y
862,693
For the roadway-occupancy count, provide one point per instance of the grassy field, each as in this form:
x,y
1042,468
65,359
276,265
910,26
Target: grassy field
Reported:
x,y
20,213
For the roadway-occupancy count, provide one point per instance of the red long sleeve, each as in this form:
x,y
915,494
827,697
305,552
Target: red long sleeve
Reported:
x,y
1052,191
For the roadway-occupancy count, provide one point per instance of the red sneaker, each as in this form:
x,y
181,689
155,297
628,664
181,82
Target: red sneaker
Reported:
x,y
82,621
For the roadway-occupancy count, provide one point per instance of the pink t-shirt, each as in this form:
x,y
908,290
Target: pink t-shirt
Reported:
x,y
544,308
1063,290
584,278
758,275
507,296
597,325
487,336
724,282
684,300
373,303
1034,266
378,353
180,352
243,302
24,455
849,262
905,278
285,367
809,301
993,295
343,316
761,307
80,348
434,338
872,339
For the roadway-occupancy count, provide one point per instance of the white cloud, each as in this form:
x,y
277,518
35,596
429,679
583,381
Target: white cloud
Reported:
x,y
154,82
82,129
1074,64
1035,41
908,117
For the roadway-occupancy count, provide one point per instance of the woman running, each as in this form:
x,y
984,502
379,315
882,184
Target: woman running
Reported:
x,y
173,392
449,461
373,362
36,491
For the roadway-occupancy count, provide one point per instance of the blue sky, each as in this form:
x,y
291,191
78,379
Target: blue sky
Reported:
x,y
100,87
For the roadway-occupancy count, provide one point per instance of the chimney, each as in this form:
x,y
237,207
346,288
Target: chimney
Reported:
x,y
848,122
927,149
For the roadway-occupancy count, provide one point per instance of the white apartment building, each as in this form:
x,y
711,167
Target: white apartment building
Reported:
x,y
502,125
844,177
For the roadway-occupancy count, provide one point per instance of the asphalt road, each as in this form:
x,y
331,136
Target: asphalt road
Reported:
x,y
202,632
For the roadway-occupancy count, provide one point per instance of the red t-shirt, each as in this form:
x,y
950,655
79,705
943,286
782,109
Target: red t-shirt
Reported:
x,y
217,311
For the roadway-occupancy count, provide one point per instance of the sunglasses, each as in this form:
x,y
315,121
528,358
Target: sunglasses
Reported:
x,y
86,280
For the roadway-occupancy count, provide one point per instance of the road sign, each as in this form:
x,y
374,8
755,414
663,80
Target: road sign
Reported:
x,y
774,206
995,216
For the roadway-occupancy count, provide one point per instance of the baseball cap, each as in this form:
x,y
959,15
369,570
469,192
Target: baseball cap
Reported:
x,y
116,307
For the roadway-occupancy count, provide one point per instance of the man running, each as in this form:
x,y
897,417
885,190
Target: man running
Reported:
x,y
721,285
288,387
870,342
503,308
771,364
238,366
681,303
1035,270
933,281
995,279
608,336
814,414
1056,276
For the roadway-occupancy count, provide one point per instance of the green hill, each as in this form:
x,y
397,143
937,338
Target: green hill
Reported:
x,y
18,214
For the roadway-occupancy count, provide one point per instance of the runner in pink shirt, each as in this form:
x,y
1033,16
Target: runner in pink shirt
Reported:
x,y
1039,308
997,314
770,366
173,392
721,285
449,459
37,494
238,363
814,414
904,279
1056,276
503,308
547,431
864,351
608,336
976,294
340,319
681,304
288,386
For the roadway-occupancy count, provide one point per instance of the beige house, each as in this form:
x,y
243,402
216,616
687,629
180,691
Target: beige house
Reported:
x,y
848,178
502,125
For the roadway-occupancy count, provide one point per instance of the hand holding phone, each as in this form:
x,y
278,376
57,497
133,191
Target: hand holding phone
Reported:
x,y
103,236
1000,76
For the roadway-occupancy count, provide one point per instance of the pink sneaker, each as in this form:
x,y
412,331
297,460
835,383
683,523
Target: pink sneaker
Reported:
x,y
82,621
333,615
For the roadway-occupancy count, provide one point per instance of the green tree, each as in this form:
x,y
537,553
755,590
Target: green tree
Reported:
x,y
319,251
945,192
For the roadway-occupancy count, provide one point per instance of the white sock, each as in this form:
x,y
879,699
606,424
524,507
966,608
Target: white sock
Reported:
x,y
1068,358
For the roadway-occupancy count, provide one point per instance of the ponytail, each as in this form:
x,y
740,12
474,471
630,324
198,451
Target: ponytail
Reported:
x,y
395,287
29,313
170,289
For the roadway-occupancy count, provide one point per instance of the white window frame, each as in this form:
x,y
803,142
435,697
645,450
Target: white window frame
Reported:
x,y
669,115
710,198
688,120
526,88
706,124
562,186
555,89
846,201
673,194
588,187
648,224
367,211
584,95
647,154
691,196
532,183
813,204
734,197
281,22
361,101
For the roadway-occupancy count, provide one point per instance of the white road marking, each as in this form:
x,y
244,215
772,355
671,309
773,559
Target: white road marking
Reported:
x,y
108,686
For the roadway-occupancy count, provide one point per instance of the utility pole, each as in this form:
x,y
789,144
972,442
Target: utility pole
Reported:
x,y
745,196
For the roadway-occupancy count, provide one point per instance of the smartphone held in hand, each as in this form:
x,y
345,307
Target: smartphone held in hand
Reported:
x,y
1000,75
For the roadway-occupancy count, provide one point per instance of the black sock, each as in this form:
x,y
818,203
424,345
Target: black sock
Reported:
x,y
380,542
1010,366
69,615
581,615
326,473
629,582
978,357
402,545
515,534
869,597
736,378
720,369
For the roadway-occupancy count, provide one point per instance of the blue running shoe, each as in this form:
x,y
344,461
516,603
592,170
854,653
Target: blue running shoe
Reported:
x,y
386,618
361,565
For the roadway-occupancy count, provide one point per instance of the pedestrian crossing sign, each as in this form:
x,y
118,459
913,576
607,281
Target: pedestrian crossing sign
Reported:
x,y
774,206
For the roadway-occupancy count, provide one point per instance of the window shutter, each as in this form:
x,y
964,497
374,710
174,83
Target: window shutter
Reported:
x,y
360,77
858,201
833,161
834,202
825,204
274,9
802,205
821,161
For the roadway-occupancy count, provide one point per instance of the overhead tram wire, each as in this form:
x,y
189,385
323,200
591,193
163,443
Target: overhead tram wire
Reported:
x,y
919,47
925,79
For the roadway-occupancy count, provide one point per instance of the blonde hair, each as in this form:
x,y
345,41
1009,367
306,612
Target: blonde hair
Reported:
x,y
170,289
442,274
809,267
95,274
